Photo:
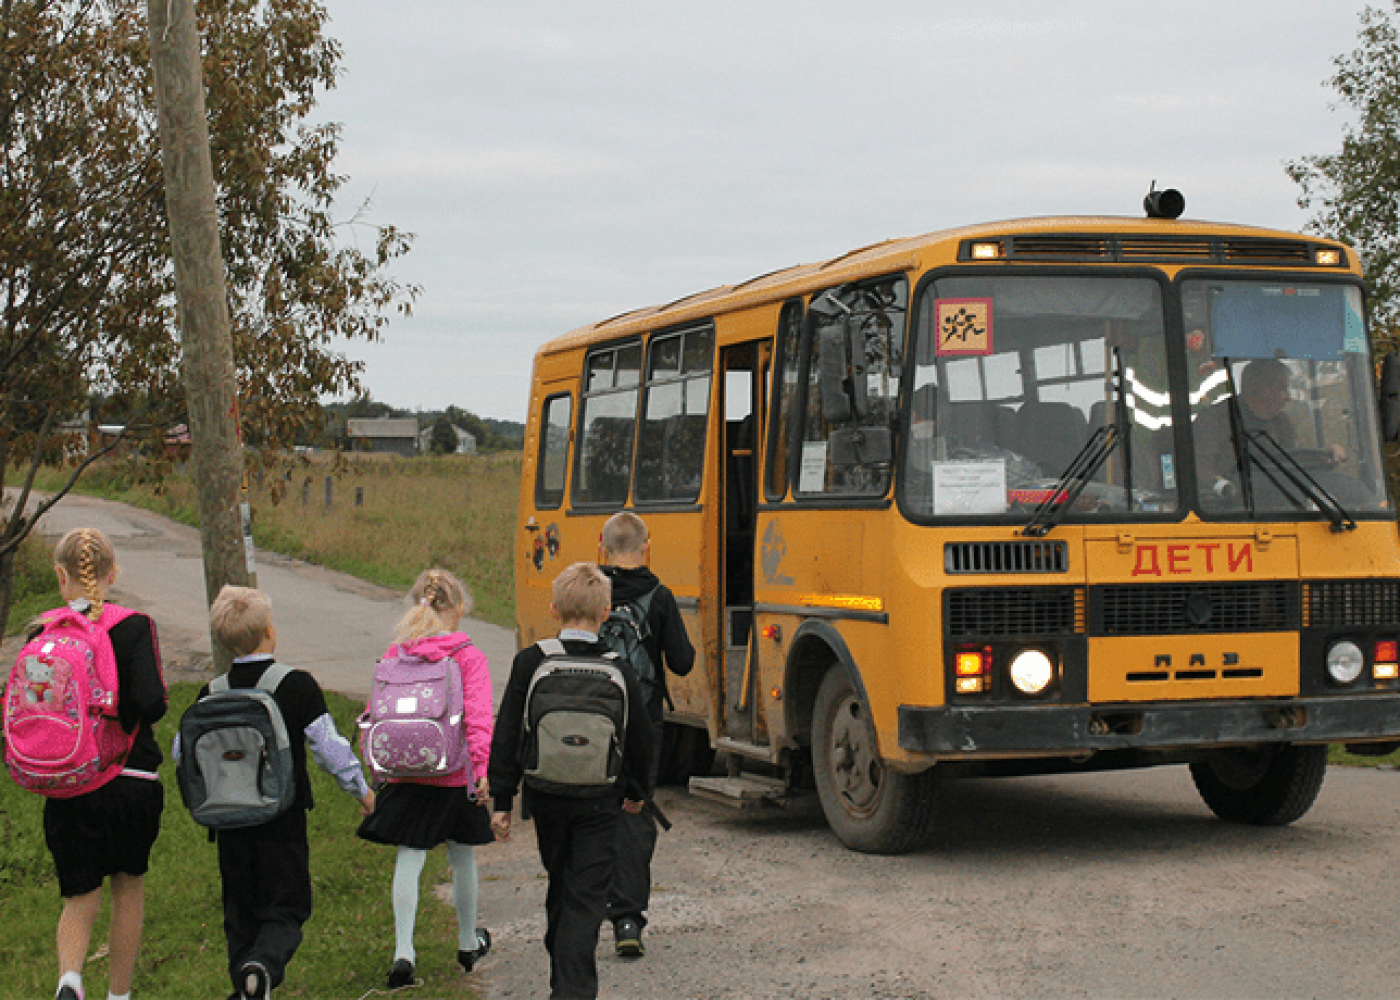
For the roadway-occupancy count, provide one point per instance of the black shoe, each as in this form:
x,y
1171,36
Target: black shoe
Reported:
x,y
468,959
253,981
401,974
66,993
627,933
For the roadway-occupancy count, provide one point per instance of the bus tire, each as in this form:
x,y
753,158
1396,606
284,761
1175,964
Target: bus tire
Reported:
x,y
1269,785
870,807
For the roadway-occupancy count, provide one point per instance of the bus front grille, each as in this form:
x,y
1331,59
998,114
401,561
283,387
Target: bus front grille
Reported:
x,y
1028,556
1351,602
1179,608
982,613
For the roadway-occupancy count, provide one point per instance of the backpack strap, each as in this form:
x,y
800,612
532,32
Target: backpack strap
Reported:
x,y
552,646
268,680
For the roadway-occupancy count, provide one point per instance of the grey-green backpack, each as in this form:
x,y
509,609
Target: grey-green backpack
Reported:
x,y
575,722
235,766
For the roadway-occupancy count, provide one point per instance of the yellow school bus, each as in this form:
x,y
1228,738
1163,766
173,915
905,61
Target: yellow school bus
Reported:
x,y
1047,495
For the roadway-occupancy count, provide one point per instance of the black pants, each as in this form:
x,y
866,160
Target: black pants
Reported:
x,y
267,893
578,846
630,894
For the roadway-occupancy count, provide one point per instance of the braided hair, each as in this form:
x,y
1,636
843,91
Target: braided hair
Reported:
x,y
436,593
87,557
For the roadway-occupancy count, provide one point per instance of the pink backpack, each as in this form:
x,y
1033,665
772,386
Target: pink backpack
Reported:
x,y
414,725
62,737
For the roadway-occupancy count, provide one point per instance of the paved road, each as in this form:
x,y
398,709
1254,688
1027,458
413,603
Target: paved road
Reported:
x,y
328,623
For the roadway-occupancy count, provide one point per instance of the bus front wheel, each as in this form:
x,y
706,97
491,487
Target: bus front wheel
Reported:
x,y
1269,785
870,807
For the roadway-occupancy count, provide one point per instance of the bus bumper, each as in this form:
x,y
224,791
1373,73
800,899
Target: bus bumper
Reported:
x,y
970,731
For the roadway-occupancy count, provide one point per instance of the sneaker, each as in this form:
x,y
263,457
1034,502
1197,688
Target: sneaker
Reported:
x,y
400,975
67,993
253,981
468,959
628,935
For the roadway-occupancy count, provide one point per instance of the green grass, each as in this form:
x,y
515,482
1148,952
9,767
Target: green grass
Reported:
x,y
349,940
35,588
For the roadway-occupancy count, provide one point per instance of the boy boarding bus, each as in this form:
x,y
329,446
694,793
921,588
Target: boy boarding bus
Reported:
x,y
1049,495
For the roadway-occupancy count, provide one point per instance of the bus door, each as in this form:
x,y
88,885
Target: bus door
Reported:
x,y
744,366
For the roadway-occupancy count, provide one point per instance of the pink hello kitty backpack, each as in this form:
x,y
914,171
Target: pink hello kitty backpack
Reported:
x,y
62,737
414,726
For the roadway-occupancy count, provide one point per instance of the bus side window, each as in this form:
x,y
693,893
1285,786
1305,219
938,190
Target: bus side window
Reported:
x,y
608,418
671,443
782,421
552,459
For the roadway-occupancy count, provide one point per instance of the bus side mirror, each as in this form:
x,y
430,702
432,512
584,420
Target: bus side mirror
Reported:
x,y
1390,397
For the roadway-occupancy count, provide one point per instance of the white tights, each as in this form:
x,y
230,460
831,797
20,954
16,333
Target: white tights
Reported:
x,y
408,868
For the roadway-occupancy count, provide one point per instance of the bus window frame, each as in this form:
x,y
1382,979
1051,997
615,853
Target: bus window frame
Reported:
x,y
682,330
776,413
847,501
611,346
1186,464
545,499
1176,376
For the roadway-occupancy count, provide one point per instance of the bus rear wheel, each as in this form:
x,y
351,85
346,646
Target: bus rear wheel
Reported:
x,y
870,807
1269,785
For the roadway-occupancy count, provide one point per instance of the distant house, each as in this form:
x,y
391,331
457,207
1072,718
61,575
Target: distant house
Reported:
x,y
466,441
392,435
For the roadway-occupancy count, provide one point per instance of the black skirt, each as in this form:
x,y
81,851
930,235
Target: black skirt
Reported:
x,y
106,832
407,814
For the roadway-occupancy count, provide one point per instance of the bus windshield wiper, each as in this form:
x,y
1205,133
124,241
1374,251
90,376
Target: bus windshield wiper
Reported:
x,y
1263,451
1081,469
1087,462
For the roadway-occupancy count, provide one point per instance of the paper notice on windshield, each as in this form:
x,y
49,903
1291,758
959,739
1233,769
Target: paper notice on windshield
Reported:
x,y
812,477
969,487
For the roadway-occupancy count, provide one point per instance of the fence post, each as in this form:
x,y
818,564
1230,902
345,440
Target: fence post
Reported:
x,y
359,496
329,497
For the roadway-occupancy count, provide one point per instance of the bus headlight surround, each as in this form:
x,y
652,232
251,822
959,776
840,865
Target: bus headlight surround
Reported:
x,y
1345,662
1031,671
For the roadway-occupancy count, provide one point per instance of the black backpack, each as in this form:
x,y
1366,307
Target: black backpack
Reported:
x,y
575,723
235,766
626,633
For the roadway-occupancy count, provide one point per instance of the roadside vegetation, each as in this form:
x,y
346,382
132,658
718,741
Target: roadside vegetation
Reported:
x,y
349,940
388,518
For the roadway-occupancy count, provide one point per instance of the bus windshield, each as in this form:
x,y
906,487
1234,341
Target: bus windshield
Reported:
x,y
1282,398
1013,376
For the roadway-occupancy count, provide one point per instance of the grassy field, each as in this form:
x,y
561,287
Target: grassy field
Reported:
x,y
388,518
349,941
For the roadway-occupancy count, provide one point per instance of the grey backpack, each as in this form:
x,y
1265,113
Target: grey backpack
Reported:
x,y
575,723
235,766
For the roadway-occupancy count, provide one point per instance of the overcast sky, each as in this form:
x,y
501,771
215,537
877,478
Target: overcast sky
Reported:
x,y
564,162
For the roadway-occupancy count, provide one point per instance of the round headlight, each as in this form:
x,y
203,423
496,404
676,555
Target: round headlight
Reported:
x,y
1345,662
1032,671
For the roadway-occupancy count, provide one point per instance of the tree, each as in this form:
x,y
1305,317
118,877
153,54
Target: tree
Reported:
x,y
1356,191
444,437
86,283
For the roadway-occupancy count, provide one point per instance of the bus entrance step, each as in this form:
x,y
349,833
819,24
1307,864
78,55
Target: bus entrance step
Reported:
x,y
743,791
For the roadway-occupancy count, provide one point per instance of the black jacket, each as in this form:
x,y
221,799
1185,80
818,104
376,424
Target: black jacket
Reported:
x,y
668,638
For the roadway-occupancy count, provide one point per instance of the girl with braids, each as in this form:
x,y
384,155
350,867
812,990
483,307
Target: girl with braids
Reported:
x,y
107,834
417,814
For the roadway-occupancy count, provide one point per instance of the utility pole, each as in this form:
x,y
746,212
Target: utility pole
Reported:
x,y
201,294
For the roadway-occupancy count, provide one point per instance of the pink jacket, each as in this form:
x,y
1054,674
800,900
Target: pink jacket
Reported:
x,y
476,702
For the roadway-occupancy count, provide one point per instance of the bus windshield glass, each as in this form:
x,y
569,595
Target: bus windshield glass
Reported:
x,y
1017,378
1282,398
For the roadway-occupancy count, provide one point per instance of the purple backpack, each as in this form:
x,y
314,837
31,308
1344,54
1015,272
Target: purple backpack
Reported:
x,y
414,724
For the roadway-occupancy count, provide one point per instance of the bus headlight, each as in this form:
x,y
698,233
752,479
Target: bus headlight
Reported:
x,y
1345,662
1031,671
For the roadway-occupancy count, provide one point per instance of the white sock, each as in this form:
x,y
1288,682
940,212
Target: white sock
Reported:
x,y
73,979
464,887
407,869
119,996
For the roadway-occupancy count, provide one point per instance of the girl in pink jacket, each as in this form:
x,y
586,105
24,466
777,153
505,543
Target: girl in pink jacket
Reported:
x,y
417,814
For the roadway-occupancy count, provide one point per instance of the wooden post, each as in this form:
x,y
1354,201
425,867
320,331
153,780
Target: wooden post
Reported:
x,y
200,292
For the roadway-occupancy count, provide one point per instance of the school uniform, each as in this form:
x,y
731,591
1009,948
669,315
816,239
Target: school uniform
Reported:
x,y
111,830
266,869
577,836
669,647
